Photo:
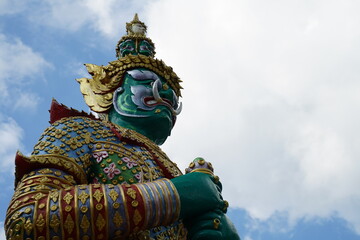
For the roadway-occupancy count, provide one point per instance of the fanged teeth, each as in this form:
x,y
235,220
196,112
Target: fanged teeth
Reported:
x,y
151,102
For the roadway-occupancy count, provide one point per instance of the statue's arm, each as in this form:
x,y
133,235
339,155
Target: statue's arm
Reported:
x,y
48,203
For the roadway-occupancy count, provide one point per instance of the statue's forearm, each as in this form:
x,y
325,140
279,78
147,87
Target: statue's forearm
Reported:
x,y
49,203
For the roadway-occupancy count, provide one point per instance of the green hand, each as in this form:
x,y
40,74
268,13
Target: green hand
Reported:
x,y
198,194
212,226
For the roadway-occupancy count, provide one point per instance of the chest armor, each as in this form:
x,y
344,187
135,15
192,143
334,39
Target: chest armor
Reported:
x,y
121,163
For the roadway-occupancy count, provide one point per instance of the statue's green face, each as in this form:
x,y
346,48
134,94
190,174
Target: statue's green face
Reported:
x,y
129,47
146,104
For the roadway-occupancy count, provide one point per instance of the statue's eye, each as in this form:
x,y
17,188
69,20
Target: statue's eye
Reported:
x,y
148,82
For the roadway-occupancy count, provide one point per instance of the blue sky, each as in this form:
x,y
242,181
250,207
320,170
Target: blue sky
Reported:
x,y
270,97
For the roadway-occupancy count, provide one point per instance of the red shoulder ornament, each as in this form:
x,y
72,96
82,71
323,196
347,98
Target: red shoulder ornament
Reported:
x,y
59,111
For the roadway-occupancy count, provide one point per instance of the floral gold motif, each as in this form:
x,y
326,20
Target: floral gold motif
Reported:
x,y
114,195
118,220
28,226
69,224
131,192
54,196
68,197
83,197
40,222
137,217
100,222
98,195
85,224
38,196
55,222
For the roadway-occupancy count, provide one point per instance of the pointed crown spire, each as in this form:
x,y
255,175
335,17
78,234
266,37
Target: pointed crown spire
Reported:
x,y
136,27
135,41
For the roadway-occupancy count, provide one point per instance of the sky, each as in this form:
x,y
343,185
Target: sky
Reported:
x,y
270,97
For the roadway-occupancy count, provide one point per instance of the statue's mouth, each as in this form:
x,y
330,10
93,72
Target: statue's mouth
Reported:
x,y
146,98
156,99
151,102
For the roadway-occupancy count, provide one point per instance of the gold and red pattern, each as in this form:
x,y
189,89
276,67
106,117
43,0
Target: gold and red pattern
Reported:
x,y
98,205
36,186
40,217
25,164
67,211
135,206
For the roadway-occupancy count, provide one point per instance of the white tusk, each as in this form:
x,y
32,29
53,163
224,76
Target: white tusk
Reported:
x,y
156,91
178,110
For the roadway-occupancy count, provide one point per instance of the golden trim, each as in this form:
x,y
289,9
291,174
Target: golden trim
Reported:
x,y
48,217
107,225
21,206
59,202
177,198
147,206
168,201
76,210
61,161
156,197
203,170
92,215
127,231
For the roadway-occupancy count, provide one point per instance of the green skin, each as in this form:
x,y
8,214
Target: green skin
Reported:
x,y
156,124
200,194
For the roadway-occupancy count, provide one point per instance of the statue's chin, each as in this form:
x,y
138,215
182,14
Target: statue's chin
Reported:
x,y
156,127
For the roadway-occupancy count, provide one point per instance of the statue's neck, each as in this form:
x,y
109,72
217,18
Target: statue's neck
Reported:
x,y
156,131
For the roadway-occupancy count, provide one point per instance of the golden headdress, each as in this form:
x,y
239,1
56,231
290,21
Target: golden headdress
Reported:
x,y
98,90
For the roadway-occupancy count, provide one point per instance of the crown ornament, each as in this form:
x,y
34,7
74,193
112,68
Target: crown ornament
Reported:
x,y
136,27
135,41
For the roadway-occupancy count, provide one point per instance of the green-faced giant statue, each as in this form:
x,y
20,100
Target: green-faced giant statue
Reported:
x,y
105,177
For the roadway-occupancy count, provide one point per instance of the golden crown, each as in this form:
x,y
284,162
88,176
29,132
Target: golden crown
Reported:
x,y
98,90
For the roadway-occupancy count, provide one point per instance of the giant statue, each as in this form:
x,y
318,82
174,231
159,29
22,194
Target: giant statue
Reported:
x,y
105,177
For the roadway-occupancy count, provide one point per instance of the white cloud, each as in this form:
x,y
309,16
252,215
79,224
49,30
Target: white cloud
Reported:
x,y
2,231
11,6
247,238
271,98
10,141
27,100
271,93
105,17
18,65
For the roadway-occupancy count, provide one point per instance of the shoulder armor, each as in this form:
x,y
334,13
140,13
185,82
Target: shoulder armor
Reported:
x,y
24,165
59,111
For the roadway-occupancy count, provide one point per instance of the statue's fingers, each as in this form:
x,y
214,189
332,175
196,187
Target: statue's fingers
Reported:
x,y
217,182
225,206
206,226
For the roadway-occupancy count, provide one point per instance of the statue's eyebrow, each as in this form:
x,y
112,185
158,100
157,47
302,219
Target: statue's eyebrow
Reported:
x,y
143,75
